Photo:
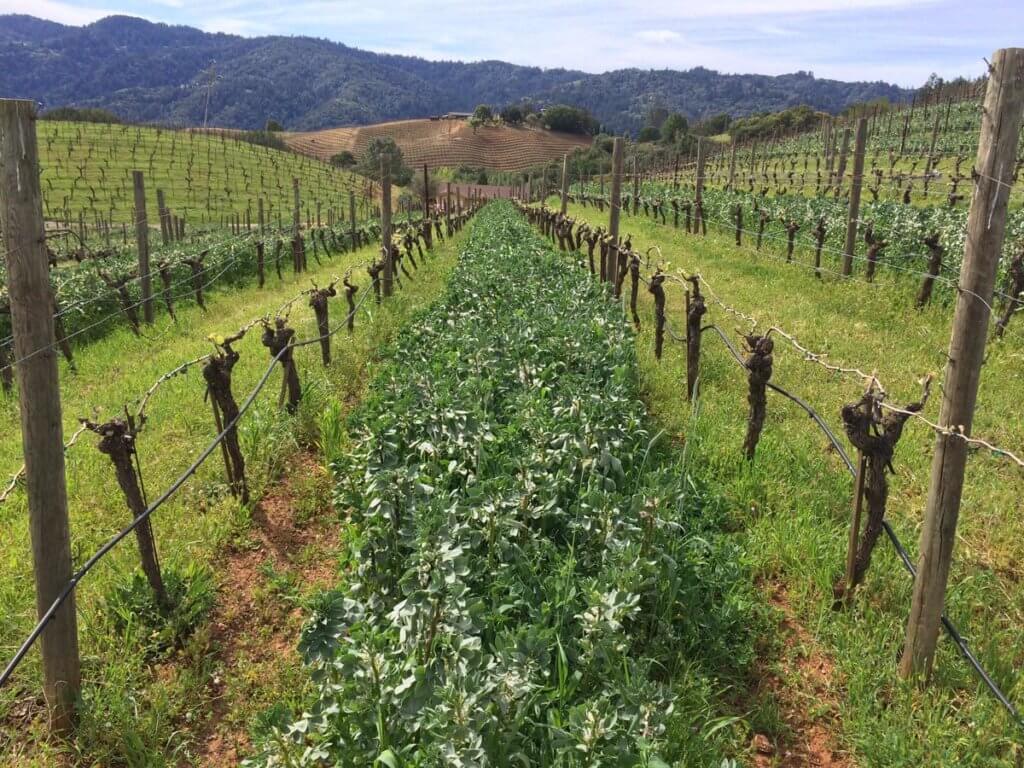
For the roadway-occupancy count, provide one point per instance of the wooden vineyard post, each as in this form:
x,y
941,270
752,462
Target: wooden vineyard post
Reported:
x,y
426,229
843,152
636,187
753,163
698,199
448,209
616,201
931,154
142,244
854,538
31,303
986,228
565,185
161,212
385,227
855,188
830,154
352,219
732,166
426,192
297,227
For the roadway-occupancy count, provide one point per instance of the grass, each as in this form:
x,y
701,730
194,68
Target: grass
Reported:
x,y
794,500
87,170
135,712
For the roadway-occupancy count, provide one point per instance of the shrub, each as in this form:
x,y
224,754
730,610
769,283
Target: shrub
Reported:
x,y
343,159
264,139
562,117
513,114
648,134
81,115
386,148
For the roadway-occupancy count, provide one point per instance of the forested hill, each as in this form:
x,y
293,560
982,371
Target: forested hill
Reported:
x,y
159,73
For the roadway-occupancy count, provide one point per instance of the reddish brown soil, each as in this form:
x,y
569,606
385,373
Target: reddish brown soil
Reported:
x,y
248,628
805,689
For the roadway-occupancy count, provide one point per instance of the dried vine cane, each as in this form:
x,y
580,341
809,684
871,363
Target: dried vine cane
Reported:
x,y
759,372
117,440
217,373
875,434
278,339
350,294
657,289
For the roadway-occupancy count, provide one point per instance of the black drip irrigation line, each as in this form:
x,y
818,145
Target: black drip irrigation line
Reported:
x,y
167,494
897,545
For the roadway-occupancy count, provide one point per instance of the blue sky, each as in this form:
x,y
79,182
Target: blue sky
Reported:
x,y
899,41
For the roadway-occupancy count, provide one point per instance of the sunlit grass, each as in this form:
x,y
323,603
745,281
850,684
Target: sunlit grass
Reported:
x,y
794,499
121,688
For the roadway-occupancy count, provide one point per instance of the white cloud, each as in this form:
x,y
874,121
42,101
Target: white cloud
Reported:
x,y
848,39
55,11
234,25
773,30
658,36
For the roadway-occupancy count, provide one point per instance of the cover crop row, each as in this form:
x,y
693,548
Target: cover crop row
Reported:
x,y
533,579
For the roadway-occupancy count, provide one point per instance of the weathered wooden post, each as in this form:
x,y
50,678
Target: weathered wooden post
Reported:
x,y
843,152
849,580
426,192
699,191
565,185
855,188
142,245
352,219
165,217
732,166
385,228
636,187
986,228
297,247
616,202
31,303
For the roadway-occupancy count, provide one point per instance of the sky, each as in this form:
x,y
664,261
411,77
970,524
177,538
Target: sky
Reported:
x,y
899,41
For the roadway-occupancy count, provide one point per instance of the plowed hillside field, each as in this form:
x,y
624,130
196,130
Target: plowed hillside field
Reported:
x,y
445,143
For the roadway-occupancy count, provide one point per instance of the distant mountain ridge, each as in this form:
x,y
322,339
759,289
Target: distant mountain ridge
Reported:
x,y
159,73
